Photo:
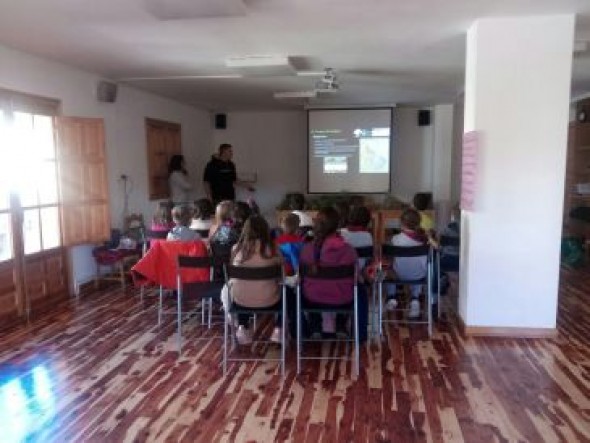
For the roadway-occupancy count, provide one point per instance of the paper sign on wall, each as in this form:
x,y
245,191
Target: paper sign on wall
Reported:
x,y
469,170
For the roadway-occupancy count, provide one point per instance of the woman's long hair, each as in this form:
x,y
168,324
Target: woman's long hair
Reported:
x,y
326,224
255,230
175,164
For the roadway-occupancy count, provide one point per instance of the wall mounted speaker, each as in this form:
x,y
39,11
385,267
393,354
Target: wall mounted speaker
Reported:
x,y
423,117
220,121
106,92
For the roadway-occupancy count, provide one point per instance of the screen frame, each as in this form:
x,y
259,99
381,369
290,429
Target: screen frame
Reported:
x,y
377,108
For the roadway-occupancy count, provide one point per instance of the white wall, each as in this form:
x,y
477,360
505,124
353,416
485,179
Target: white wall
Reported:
x,y
124,125
413,155
511,240
274,145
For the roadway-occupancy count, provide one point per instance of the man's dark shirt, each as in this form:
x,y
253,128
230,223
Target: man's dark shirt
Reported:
x,y
221,176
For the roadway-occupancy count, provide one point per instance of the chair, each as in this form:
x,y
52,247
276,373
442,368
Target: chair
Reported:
x,y
195,287
367,253
333,274
203,233
221,255
118,259
390,252
274,272
149,236
153,235
441,267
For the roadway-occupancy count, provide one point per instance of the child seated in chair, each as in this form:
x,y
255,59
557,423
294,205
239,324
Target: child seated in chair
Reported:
x,y
409,268
421,202
290,243
162,220
328,248
182,216
254,249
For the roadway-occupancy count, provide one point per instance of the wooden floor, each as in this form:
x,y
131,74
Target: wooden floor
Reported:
x,y
101,371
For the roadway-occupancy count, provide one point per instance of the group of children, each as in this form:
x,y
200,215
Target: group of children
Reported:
x,y
328,240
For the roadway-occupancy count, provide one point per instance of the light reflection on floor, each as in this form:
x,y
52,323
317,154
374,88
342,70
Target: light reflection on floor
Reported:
x,y
27,404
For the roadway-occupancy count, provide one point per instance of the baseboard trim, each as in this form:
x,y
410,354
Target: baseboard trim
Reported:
x,y
508,332
504,332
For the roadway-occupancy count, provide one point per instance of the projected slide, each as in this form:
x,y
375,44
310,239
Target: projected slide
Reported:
x,y
349,150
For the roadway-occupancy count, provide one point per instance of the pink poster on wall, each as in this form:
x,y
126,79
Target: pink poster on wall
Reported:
x,y
469,170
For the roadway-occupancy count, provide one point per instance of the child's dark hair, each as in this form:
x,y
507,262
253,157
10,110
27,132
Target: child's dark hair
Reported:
x,y
182,215
255,229
291,223
204,209
359,216
343,210
410,219
296,201
421,201
242,212
326,224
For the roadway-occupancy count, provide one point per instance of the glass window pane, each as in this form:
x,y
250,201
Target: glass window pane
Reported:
x,y
5,163
31,231
43,134
47,183
50,227
5,237
27,187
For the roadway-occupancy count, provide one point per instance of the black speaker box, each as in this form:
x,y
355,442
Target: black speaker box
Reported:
x,y
423,117
220,121
106,92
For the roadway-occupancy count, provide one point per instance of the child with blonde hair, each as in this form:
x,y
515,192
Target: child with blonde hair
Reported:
x,y
182,216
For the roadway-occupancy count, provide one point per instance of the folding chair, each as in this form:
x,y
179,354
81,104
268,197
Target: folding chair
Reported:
x,y
274,272
333,274
150,235
195,288
203,233
367,253
441,267
392,253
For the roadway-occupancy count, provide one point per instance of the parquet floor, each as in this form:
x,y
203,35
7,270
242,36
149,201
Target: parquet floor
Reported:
x,y
100,370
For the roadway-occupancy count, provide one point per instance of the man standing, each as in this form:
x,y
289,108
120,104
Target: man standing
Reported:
x,y
220,176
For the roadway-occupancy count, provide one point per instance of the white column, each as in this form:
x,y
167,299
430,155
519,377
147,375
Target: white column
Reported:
x,y
517,88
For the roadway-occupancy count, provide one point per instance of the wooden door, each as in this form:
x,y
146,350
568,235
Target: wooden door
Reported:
x,y
33,271
163,141
83,182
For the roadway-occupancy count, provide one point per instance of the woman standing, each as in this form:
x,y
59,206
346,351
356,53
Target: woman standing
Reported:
x,y
180,187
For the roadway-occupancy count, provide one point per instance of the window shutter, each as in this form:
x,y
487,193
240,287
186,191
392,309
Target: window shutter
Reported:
x,y
82,173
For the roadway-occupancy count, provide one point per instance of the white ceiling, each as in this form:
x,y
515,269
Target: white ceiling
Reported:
x,y
396,51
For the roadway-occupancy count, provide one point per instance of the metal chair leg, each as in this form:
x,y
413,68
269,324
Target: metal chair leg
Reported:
x,y
283,327
225,331
210,312
357,342
179,320
298,331
380,309
160,303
